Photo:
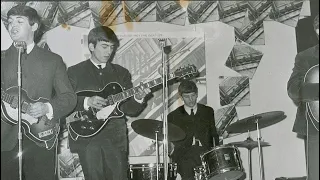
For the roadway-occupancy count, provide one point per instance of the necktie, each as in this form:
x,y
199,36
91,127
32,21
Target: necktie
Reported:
x,y
192,113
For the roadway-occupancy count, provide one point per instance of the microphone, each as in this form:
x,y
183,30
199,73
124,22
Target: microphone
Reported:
x,y
20,44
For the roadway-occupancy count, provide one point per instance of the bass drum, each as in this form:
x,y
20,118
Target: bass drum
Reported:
x,y
222,163
148,171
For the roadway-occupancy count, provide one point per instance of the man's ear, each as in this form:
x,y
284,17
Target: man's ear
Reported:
x,y
91,47
35,27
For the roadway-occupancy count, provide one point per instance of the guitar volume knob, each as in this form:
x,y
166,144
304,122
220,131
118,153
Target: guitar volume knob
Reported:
x,y
83,127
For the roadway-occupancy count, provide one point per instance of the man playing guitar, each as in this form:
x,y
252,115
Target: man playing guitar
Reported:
x,y
103,155
303,89
44,77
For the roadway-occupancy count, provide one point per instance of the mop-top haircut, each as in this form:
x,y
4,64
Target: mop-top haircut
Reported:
x,y
103,33
187,86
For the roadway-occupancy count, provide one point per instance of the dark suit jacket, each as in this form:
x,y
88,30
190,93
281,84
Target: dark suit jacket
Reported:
x,y
85,76
43,75
301,92
202,126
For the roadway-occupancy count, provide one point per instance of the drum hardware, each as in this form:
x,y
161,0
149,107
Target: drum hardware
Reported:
x,y
148,127
220,163
249,144
153,129
257,122
148,171
249,123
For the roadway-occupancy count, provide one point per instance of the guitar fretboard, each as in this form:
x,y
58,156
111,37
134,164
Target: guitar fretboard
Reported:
x,y
132,91
13,101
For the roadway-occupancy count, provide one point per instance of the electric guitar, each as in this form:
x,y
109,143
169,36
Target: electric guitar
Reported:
x,y
312,76
87,123
42,131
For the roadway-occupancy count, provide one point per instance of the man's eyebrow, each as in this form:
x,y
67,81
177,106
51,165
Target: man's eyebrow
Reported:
x,y
107,44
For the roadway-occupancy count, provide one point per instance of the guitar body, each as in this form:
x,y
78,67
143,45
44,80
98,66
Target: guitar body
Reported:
x,y
42,130
88,124
312,76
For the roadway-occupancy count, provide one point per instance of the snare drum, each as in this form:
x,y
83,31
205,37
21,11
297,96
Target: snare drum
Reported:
x,y
222,163
148,171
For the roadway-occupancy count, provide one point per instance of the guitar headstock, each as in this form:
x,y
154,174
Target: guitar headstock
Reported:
x,y
186,72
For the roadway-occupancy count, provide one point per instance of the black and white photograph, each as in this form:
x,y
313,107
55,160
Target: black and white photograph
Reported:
x,y
235,90
160,90
107,13
203,11
244,59
225,116
171,12
140,11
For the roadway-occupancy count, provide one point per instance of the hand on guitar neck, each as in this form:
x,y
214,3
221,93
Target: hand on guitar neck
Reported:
x,y
99,102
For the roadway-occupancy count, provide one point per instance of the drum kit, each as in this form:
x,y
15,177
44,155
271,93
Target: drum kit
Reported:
x,y
220,163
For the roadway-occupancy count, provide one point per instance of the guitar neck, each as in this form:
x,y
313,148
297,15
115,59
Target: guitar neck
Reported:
x,y
132,91
13,101
6,97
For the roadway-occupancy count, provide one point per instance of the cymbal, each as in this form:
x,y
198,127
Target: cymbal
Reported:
x,y
249,144
249,123
148,128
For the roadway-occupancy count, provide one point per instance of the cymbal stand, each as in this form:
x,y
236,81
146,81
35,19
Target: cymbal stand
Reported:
x,y
259,151
157,155
250,158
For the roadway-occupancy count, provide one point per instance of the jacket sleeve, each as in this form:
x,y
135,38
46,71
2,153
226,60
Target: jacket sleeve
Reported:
x,y
298,90
130,106
213,129
64,99
73,80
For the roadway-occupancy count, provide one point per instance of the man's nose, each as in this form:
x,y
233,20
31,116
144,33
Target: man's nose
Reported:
x,y
109,49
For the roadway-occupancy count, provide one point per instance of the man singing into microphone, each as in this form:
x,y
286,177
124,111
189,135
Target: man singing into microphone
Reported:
x,y
43,75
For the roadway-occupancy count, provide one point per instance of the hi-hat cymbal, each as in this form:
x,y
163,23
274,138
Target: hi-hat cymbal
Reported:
x,y
149,127
249,144
249,123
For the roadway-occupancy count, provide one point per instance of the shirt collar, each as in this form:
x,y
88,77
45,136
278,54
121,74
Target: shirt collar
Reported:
x,y
103,65
188,109
30,47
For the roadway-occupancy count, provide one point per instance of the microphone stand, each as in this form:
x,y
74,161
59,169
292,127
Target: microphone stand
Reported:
x,y
165,52
21,48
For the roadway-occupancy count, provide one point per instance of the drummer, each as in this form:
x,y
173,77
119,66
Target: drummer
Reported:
x,y
197,121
